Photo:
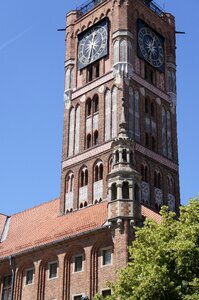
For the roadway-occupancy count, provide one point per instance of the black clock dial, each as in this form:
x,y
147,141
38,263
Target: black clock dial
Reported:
x,y
93,45
151,47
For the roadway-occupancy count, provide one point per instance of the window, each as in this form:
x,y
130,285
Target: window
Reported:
x,y
78,263
106,293
88,108
29,276
149,74
157,180
125,190
106,257
134,114
52,268
6,293
96,137
144,173
88,142
84,177
113,191
74,127
93,72
79,297
150,124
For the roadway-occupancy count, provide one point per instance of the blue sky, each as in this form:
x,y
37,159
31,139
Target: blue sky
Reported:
x,y
31,98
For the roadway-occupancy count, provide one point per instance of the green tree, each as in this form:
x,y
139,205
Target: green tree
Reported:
x,y
164,259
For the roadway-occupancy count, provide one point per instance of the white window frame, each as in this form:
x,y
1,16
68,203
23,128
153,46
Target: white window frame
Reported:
x,y
78,255
51,263
104,249
26,271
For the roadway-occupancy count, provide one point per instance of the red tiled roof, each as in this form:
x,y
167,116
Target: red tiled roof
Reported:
x,y
42,224
2,224
149,213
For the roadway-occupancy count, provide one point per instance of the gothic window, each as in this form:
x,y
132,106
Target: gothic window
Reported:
x,y
166,134
149,74
125,190
114,112
113,191
93,71
150,124
145,173
157,180
169,142
137,116
124,155
110,164
117,157
71,131
77,128
98,171
88,141
95,142
85,204
88,107
95,104
171,81
107,115
131,113
69,183
84,177
74,129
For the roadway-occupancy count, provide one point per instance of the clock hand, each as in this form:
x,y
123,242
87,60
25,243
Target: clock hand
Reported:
x,y
91,45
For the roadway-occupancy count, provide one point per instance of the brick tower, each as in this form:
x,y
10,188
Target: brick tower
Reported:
x,y
120,158
119,49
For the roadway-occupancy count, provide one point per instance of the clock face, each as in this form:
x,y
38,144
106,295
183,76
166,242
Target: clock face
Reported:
x,y
93,44
151,47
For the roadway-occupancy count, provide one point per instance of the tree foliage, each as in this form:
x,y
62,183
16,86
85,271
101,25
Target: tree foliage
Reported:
x,y
164,259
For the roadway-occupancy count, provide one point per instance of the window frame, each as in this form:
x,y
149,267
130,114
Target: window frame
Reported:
x,y
102,256
26,272
74,263
49,264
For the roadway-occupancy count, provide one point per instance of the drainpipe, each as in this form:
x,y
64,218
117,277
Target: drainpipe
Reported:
x,y
12,276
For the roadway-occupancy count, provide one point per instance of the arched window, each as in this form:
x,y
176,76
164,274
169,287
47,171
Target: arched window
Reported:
x,y
125,190
84,177
88,107
124,155
101,172
137,116
113,191
117,157
70,183
71,131
85,204
157,180
169,142
144,172
114,112
110,164
131,113
98,171
68,79
88,141
96,137
95,104
81,205
107,115
77,128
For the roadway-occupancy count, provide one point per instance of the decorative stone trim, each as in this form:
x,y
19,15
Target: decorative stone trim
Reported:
x,y
157,157
122,33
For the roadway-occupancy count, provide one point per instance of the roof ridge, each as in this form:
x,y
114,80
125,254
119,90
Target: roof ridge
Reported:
x,y
36,206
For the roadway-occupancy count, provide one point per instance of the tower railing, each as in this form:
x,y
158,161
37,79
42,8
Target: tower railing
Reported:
x,y
90,4
87,6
